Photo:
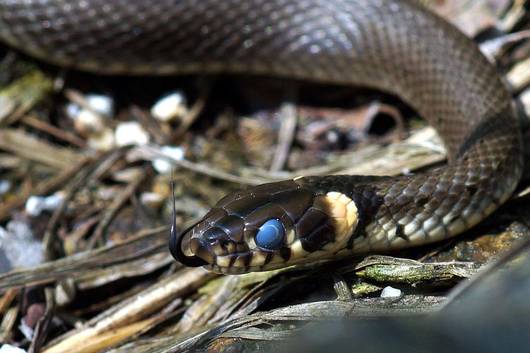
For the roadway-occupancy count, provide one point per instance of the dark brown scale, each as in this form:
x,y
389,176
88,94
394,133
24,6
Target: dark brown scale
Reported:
x,y
285,253
215,214
295,203
272,189
310,220
256,218
318,237
400,231
268,257
232,226
421,200
246,257
214,233
246,205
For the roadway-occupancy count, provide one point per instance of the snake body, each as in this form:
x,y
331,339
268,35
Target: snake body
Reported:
x,y
395,46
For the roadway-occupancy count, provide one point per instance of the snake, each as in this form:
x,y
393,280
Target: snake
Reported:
x,y
394,46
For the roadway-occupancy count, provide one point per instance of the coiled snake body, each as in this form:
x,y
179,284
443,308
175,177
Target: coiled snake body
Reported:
x,y
392,45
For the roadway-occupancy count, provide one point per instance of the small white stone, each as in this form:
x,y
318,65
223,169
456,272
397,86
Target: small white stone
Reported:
x,y
36,204
91,121
72,110
52,202
163,165
7,348
100,103
27,331
170,106
19,246
5,186
131,133
390,292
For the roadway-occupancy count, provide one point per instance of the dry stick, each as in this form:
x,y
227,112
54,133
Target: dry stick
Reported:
x,y
114,207
102,165
203,168
23,144
143,243
61,134
285,137
43,188
7,299
192,114
107,163
131,311
78,98
51,227
9,318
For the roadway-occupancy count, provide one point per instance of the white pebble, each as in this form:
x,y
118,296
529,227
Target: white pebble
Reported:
x,y
170,106
72,110
5,185
36,204
7,348
27,331
19,246
163,165
102,104
131,133
91,121
390,292
52,202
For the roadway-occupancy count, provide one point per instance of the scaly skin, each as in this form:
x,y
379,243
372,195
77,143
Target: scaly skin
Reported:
x,y
392,45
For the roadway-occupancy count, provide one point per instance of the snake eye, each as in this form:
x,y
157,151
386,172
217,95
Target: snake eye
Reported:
x,y
270,235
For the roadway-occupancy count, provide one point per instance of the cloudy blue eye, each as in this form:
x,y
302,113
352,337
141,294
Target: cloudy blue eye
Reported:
x,y
270,235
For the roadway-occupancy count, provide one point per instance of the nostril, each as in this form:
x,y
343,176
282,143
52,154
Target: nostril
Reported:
x,y
176,242
195,245
214,234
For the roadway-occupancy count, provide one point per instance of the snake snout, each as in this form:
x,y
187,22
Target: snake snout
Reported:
x,y
179,247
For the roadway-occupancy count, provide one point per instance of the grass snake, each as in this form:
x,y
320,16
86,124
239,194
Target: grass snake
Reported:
x,y
395,46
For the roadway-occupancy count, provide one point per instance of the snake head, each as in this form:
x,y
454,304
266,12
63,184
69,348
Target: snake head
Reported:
x,y
267,227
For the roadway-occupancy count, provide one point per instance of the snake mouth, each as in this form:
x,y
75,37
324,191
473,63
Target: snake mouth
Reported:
x,y
193,251
180,253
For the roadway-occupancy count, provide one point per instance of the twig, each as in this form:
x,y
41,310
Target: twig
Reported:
x,y
114,208
192,114
51,227
44,188
25,145
52,130
285,137
149,152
